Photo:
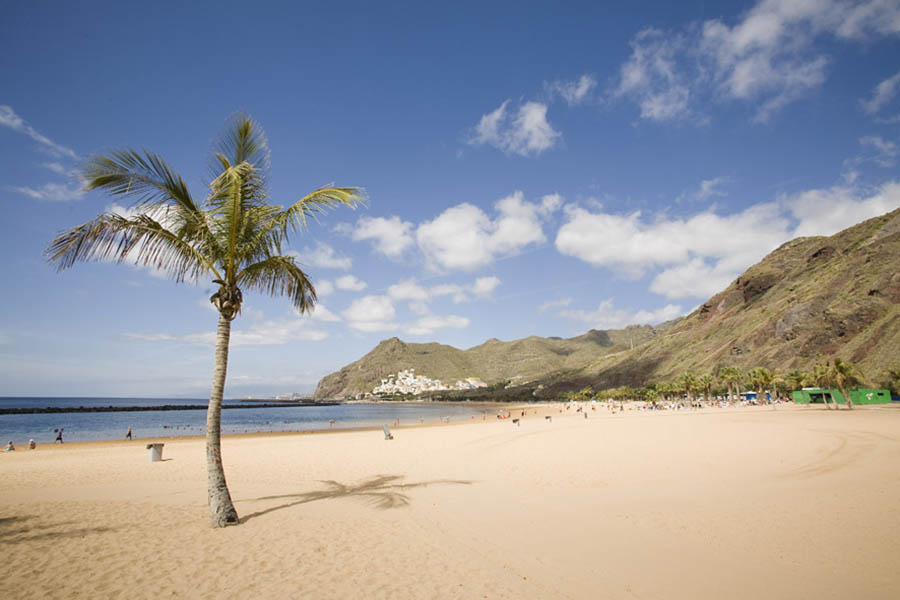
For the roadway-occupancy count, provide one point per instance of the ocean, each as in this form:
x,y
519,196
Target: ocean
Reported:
x,y
95,426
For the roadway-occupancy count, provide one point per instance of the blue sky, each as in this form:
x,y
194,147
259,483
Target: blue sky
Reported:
x,y
532,168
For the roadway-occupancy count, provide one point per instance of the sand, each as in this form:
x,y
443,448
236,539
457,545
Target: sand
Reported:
x,y
797,502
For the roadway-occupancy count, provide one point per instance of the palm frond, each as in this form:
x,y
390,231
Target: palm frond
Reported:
x,y
147,177
142,239
318,203
280,276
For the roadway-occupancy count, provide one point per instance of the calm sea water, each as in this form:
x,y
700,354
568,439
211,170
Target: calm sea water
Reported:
x,y
82,427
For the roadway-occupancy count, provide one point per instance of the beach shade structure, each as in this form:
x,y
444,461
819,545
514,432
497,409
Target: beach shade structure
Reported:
x,y
857,396
155,452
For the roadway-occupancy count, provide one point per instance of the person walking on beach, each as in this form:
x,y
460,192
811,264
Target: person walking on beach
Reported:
x,y
59,436
128,435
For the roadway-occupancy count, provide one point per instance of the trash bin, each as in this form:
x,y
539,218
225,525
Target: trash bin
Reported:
x,y
155,454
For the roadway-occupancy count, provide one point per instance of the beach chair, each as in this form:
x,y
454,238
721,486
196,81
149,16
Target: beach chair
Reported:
x,y
516,422
387,433
548,418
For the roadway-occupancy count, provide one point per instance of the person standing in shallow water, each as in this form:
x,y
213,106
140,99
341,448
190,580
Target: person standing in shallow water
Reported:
x,y
59,436
128,435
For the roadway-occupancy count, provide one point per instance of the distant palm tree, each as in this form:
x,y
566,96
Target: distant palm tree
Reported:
x,y
761,377
234,237
706,382
892,380
845,375
732,377
795,379
688,383
821,377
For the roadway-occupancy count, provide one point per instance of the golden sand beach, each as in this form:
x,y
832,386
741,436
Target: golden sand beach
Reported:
x,y
797,502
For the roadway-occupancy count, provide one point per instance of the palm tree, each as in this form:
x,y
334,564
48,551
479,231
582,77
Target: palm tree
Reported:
x,y
844,375
732,377
706,384
821,377
892,380
794,380
760,377
233,237
688,383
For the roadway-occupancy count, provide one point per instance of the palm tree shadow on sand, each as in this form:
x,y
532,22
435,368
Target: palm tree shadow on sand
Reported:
x,y
382,491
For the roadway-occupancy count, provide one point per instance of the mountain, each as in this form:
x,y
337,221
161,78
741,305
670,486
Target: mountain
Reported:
x,y
519,361
809,300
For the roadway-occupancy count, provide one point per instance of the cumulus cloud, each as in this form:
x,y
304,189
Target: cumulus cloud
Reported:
x,y
349,283
371,313
429,324
465,237
653,77
265,333
573,92
606,316
390,236
700,255
827,211
324,288
322,314
769,58
323,256
9,118
419,296
524,131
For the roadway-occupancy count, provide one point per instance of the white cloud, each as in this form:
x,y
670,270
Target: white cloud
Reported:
x,y
485,286
322,314
266,333
883,93
419,296
391,236
465,237
350,283
527,133
550,203
371,313
573,92
559,303
827,211
710,188
886,151
323,288
651,76
606,316
631,246
9,118
409,290
700,255
51,192
767,59
323,256
430,324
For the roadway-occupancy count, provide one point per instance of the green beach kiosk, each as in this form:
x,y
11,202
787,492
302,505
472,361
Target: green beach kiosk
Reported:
x,y
857,396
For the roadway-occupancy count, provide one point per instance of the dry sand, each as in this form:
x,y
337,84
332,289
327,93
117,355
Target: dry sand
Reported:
x,y
797,502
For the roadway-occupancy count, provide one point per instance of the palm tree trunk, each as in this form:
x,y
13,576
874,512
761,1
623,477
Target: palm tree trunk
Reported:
x,y
221,509
846,394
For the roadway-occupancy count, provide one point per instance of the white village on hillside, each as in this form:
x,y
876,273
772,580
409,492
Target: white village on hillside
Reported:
x,y
408,382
